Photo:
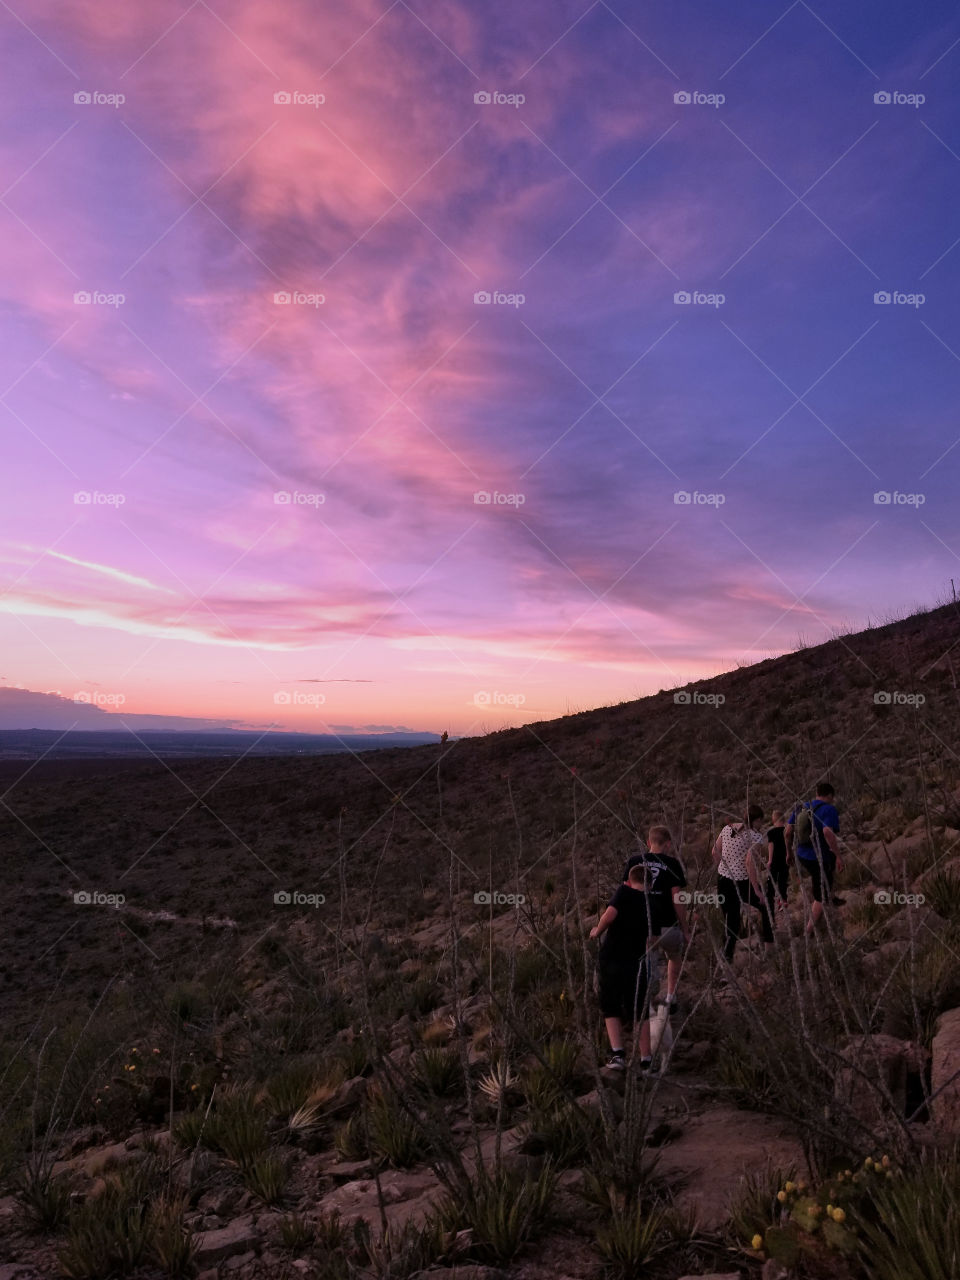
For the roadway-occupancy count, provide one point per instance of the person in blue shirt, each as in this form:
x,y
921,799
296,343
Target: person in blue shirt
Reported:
x,y
819,855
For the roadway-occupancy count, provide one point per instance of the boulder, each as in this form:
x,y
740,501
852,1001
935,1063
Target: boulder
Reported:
x,y
877,1073
915,922
946,1066
469,1271
239,1237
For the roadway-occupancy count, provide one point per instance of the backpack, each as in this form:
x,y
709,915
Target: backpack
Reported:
x,y
804,826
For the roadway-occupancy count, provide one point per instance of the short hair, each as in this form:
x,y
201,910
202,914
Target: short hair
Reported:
x,y
753,813
637,873
777,813
659,835
825,789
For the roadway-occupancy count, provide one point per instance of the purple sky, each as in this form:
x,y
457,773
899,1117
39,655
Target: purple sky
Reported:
x,y
782,398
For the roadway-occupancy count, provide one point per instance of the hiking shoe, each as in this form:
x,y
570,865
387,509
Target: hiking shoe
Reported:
x,y
618,1062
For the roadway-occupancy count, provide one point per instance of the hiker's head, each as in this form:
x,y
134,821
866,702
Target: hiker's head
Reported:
x,y
825,790
637,876
754,815
777,817
659,839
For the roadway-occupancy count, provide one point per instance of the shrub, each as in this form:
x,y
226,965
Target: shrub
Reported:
x,y
172,1245
288,1090
267,1176
296,1232
394,1134
350,1140
43,1198
633,1236
914,1230
502,1210
438,1071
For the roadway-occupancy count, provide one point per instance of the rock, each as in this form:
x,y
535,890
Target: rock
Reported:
x,y
239,1260
878,1071
18,1271
946,1063
774,1270
350,1170
239,1237
348,1097
471,1271
915,922
717,1275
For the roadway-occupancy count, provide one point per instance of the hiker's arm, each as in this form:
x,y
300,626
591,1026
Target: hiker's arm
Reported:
x,y
752,872
769,854
833,844
681,910
605,921
718,850
788,837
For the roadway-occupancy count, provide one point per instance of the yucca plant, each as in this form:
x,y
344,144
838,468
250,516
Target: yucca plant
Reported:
x,y
561,1131
632,1237
267,1176
394,1134
289,1090
497,1082
43,1198
400,1252
172,1244
503,1211
756,1203
438,1071
913,1231
350,1140
297,1232
106,1236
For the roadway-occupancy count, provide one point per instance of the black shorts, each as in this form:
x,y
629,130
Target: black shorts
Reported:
x,y
813,870
624,982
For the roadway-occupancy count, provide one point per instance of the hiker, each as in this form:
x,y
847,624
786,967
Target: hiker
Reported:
x,y
814,827
738,879
624,968
665,883
778,868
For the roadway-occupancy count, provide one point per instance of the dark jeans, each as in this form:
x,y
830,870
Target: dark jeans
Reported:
x,y
735,893
821,876
778,878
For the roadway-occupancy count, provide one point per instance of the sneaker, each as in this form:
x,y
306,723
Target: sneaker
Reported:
x,y
645,1067
618,1062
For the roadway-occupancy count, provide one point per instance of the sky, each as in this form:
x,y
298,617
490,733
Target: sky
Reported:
x,y
452,366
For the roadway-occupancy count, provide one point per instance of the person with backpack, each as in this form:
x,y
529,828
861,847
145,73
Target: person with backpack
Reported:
x,y
738,877
814,827
665,884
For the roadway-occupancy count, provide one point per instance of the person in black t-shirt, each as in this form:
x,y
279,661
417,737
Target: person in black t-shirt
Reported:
x,y
778,868
665,885
625,927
